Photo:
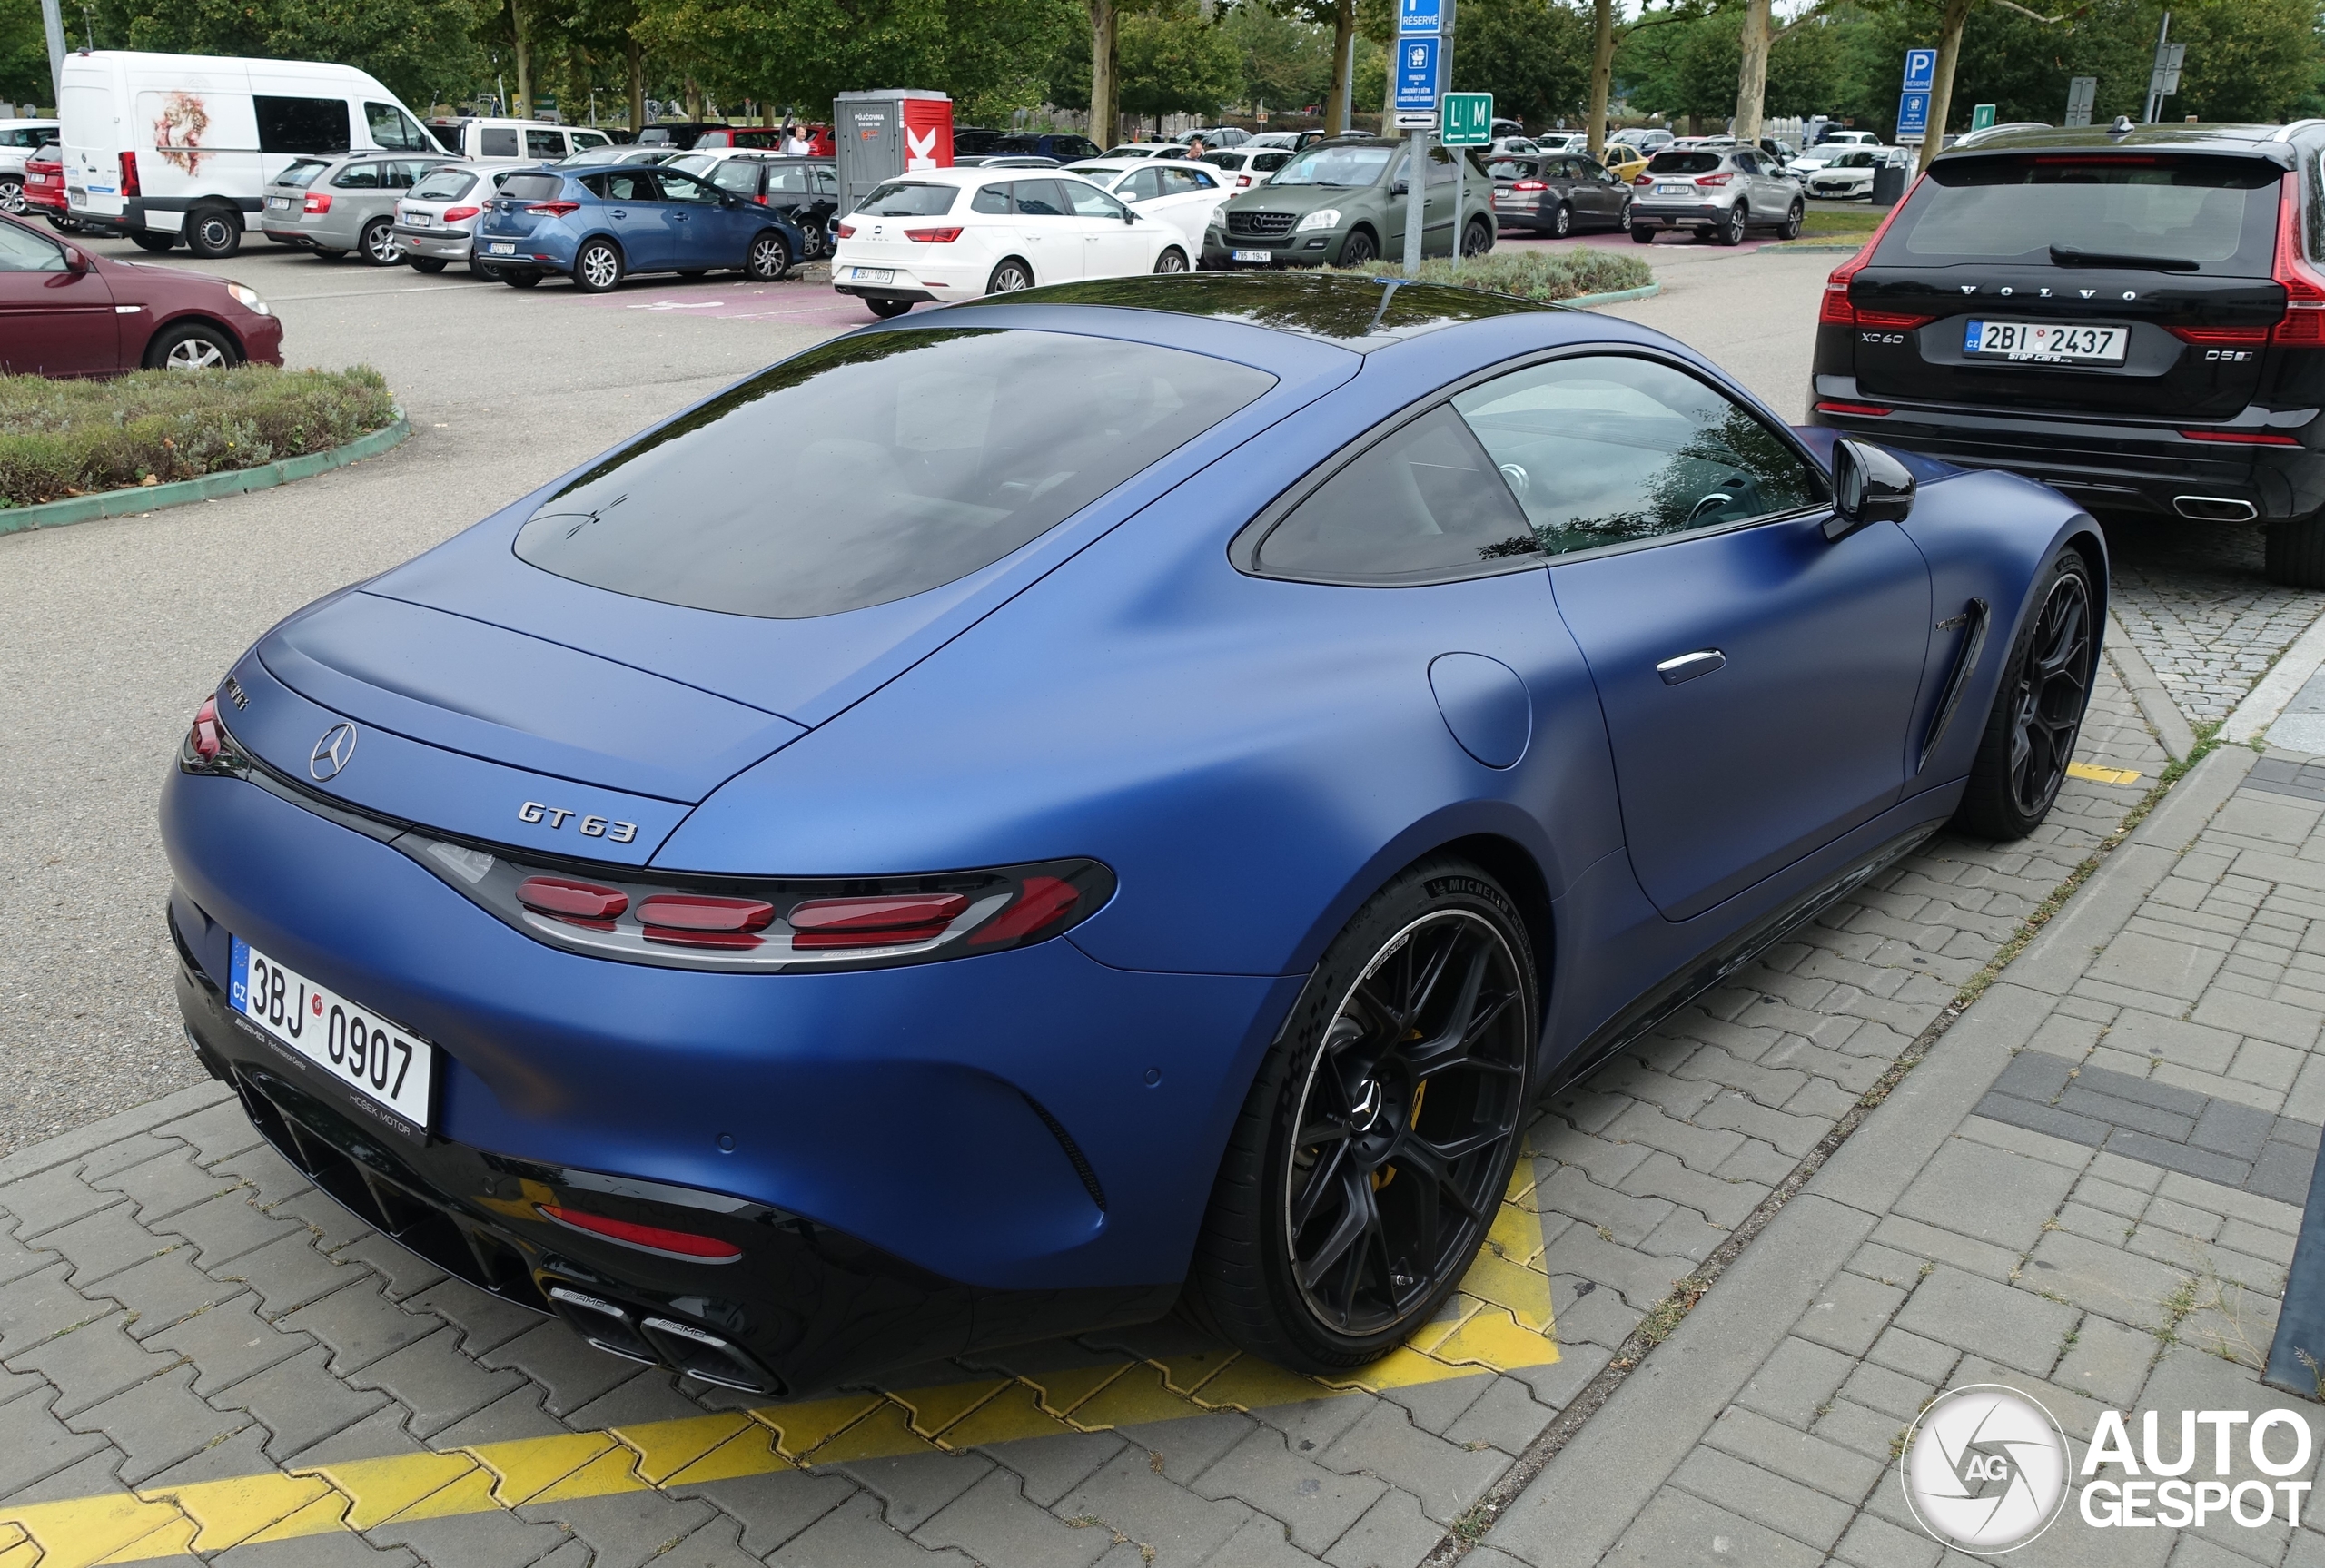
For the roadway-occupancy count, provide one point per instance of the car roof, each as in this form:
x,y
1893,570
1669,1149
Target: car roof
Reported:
x,y
966,176
1348,311
2274,143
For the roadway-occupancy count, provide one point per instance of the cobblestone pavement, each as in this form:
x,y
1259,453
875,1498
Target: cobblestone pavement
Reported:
x,y
2195,603
2089,1191
206,1358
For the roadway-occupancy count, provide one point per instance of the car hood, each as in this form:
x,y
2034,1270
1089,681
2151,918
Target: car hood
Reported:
x,y
1298,198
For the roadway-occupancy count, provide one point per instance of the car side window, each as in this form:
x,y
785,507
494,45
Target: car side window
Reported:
x,y
357,177
623,187
1040,199
1609,449
1089,202
21,251
686,189
1143,184
739,175
501,141
298,125
990,199
391,128
1748,161
544,144
1440,166
787,178
1420,505
827,182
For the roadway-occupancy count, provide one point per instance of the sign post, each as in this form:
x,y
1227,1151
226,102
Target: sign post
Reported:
x,y
1465,120
1415,112
1913,102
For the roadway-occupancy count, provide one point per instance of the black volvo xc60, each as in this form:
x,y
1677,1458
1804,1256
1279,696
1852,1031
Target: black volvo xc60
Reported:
x,y
2136,316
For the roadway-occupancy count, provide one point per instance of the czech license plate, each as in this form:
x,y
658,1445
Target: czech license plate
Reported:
x,y
418,220
1675,189
873,274
383,1062
2049,342
277,204
1254,255
497,249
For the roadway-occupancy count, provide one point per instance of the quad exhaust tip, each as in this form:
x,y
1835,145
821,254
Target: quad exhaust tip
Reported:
x,y
2215,509
657,1341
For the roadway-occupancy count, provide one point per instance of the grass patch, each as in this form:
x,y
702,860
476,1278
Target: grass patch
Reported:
x,y
61,439
1533,274
1842,225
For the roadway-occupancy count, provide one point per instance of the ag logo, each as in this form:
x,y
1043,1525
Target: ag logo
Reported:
x,y
1985,1469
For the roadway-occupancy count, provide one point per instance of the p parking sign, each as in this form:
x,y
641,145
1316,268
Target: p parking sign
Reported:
x,y
1466,119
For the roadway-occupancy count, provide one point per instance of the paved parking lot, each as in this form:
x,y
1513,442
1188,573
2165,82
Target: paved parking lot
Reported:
x,y
204,1358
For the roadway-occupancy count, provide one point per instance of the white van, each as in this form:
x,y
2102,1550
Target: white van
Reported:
x,y
160,148
485,141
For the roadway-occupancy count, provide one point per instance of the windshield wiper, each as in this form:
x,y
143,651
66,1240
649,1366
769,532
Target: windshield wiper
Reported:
x,y
2068,256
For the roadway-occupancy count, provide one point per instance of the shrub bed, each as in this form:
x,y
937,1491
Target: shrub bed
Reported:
x,y
61,439
1535,273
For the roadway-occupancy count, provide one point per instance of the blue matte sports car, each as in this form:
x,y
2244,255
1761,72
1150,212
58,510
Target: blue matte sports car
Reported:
x,y
1196,760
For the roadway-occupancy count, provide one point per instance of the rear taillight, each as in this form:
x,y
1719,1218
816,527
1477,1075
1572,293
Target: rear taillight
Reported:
x,y
652,1238
1836,311
1643,180
2304,287
317,201
553,209
1862,411
2220,334
129,186
1242,180
1896,320
1531,186
455,214
202,739
2241,437
1719,179
933,236
208,749
768,924
844,231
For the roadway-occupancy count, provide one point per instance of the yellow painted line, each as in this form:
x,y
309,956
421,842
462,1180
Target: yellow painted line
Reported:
x,y
1498,1321
2101,775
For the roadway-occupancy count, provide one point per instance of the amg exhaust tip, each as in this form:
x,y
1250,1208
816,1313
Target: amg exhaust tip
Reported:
x,y
657,1341
2215,509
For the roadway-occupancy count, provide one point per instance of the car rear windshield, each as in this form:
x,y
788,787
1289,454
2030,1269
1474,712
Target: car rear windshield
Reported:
x,y
1508,169
908,198
1683,163
443,185
1342,166
912,459
2182,214
532,187
301,174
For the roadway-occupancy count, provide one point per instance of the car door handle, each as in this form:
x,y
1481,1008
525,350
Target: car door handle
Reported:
x,y
621,211
1687,666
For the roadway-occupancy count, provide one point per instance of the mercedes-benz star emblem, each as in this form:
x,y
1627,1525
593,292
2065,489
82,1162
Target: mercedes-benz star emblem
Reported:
x,y
331,753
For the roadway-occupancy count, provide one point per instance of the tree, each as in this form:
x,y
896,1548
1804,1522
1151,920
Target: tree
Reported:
x,y
1286,62
1528,54
1177,61
425,50
24,54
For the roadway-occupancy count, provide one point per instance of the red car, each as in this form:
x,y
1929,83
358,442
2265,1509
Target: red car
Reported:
x,y
44,182
65,313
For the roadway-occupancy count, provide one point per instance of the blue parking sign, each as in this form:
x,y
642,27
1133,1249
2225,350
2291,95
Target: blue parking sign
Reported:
x,y
1913,115
1921,70
1417,75
1420,16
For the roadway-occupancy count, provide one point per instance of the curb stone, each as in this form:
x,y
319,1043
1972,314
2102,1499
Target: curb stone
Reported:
x,y
1618,297
208,487
2155,703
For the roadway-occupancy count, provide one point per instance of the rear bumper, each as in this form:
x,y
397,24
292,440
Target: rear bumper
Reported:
x,y
2108,468
1648,213
444,245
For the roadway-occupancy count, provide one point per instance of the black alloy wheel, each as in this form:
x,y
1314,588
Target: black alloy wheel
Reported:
x,y
1562,222
1009,278
213,232
1792,220
1377,1141
1477,237
1173,259
1358,248
378,244
769,258
2037,715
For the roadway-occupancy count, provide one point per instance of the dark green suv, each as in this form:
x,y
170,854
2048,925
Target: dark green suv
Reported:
x,y
1342,203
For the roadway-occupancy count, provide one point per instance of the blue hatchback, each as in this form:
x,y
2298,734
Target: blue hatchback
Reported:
x,y
1195,761
598,225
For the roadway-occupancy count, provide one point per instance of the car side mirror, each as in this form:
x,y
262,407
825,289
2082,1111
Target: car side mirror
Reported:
x,y
1400,187
1129,216
1869,486
75,261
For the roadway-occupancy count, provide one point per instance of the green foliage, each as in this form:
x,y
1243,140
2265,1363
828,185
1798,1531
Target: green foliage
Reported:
x,y
1175,60
1689,66
425,50
23,54
75,437
1532,55
1287,63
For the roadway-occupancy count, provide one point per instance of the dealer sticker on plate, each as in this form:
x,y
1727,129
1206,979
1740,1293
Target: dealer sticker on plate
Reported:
x,y
383,1062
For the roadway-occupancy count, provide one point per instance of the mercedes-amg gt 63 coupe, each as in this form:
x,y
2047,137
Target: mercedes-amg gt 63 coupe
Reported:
x,y
1134,828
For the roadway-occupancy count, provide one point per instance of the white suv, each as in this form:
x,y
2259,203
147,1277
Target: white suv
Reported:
x,y
19,140
1718,192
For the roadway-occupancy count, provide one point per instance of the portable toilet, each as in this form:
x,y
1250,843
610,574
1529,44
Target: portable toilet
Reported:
x,y
887,131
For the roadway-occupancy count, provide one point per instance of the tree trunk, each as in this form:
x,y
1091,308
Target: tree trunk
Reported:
x,y
1752,81
1337,102
637,86
1602,72
1940,91
1105,33
523,107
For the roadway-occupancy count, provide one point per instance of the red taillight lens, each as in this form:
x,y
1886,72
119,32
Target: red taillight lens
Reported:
x,y
1531,186
204,737
2241,437
1242,180
933,236
1643,180
317,201
1865,411
1719,179
891,921
1898,321
553,209
2304,287
1836,311
129,186
1044,901
2220,334
571,899
653,1238
701,919
456,214
844,231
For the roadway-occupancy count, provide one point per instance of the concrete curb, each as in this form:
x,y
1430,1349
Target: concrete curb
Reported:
x,y
2265,700
208,487
1794,247
2162,714
1618,297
